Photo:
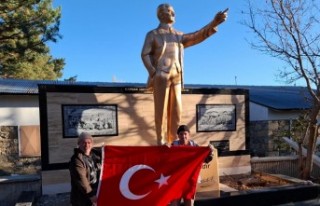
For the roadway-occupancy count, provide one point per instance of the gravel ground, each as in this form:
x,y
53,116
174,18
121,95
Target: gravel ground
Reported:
x,y
233,181
62,199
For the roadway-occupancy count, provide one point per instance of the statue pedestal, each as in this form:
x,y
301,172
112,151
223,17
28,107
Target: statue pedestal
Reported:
x,y
210,177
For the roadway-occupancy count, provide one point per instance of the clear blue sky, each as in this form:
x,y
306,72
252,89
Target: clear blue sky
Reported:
x,y
102,41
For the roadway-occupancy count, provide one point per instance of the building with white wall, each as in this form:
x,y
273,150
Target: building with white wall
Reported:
x,y
19,110
19,100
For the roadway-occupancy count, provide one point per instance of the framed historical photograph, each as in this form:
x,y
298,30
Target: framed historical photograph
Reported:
x,y
216,117
97,120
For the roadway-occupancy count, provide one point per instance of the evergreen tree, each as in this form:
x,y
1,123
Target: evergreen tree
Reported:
x,y
25,28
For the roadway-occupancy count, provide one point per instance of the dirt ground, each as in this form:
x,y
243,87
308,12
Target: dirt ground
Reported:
x,y
250,181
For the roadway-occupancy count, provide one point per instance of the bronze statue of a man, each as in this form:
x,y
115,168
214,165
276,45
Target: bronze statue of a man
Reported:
x,y
162,55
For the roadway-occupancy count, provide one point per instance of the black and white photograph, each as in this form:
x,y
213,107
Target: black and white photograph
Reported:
x,y
216,117
97,120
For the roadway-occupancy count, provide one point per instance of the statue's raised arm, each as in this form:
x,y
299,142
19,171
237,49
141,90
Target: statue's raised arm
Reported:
x,y
196,37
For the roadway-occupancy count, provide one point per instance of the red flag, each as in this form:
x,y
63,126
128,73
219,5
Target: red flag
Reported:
x,y
152,175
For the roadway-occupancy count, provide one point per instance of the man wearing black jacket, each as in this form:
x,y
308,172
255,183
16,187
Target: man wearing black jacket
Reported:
x,y
84,171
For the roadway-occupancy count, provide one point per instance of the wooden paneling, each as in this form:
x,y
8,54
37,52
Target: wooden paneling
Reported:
x,y
135,120
29,141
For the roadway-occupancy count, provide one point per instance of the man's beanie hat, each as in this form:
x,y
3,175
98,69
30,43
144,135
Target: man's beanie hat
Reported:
x,y
183,128
83,136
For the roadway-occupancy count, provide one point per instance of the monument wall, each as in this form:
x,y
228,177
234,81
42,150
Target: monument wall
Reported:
x,y
215,116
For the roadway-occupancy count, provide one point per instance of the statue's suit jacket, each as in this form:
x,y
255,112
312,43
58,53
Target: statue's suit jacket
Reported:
x,y
155,44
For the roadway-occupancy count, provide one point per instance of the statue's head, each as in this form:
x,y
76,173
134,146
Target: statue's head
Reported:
x,y
166,13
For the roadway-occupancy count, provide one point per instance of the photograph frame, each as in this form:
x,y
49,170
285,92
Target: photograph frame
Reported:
x,y
95,119
216,117
221,145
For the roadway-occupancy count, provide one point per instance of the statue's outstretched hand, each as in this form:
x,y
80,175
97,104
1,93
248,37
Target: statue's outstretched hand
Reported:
x,y
220,17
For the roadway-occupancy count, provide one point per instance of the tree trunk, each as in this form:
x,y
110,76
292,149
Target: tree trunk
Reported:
x,y
301,162
309,162
313,133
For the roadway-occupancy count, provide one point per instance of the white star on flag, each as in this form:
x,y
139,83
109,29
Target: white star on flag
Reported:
x,y
162,180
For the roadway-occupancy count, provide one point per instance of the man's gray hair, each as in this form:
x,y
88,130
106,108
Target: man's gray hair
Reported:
x,y
83,136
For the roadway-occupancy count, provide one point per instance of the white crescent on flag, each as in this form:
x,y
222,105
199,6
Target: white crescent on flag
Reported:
x,y
124,182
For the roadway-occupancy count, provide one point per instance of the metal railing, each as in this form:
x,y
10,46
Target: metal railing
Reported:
x,y
286,165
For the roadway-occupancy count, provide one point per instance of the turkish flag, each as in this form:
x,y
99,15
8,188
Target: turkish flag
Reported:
x,y
150,175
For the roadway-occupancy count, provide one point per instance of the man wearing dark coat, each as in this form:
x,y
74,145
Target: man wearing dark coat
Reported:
x,y
84,169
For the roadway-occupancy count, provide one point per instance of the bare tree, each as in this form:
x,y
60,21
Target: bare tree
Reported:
x,y
290,30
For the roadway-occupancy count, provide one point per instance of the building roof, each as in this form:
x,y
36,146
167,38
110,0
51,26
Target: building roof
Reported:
x,y
273,97
18,86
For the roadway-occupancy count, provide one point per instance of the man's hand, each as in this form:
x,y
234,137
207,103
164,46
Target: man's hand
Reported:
x,y
94,199
210,155
167,144
211,147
